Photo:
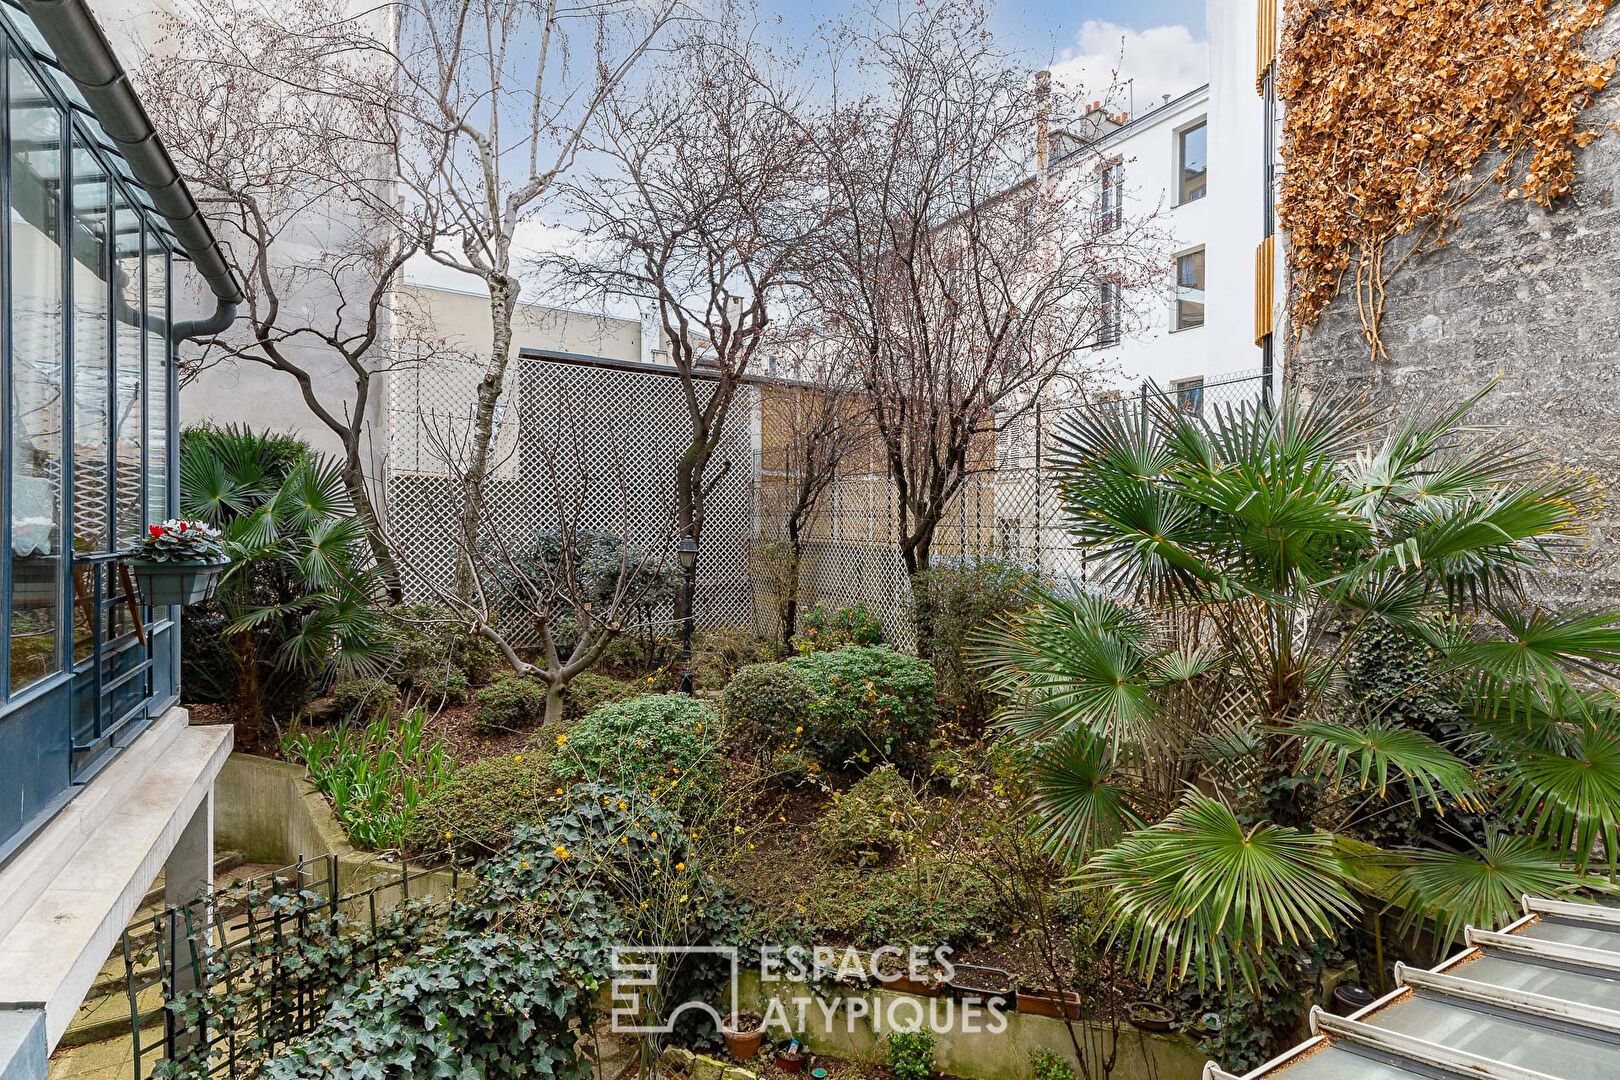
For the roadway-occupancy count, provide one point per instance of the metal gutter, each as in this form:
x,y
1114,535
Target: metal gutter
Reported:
x,y
84,54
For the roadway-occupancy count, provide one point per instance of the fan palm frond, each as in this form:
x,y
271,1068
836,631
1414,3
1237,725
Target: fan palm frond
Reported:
x,y
1368,754
1077,803
1481,887
1200,894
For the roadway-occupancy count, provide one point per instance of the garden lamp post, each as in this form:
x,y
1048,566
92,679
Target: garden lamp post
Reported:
x,y
686,553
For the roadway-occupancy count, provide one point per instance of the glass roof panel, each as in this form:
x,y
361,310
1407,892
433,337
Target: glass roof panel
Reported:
x,y
1544,979
1570,933
1336,1063
1501,1038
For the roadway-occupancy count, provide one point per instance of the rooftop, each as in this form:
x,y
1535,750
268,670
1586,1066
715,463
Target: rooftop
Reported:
x,y
1539,1000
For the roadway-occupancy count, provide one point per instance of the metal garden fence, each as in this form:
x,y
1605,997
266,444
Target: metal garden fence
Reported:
x,y
221,985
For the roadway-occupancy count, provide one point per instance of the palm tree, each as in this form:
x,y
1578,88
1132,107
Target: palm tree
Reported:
x,y
300,594
1203,759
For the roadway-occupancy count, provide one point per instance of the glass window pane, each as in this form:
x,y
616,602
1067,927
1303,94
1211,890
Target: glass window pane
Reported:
x,y
1194,157
129,421
157,382
1190,290
92,358
37,408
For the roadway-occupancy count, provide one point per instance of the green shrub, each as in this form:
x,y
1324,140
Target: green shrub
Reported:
x,y
447,685
427,638
866,704
588,692
874,821
510,703
911,1055
960,602
766,707
1050,1066
483,805
367,699
720,653
836,629
651,743
376,775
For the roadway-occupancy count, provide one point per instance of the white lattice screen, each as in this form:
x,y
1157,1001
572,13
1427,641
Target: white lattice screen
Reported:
x,y
615,431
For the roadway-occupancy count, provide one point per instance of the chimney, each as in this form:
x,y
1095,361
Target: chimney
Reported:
x,y
1043,120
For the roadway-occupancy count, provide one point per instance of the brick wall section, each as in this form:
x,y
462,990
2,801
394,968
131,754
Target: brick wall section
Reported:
x,y
1527,294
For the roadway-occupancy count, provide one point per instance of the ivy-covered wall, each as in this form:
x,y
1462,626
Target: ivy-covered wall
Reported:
x,y
1526,294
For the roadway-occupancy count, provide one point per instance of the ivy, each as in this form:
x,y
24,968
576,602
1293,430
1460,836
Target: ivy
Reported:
x,y
1400,112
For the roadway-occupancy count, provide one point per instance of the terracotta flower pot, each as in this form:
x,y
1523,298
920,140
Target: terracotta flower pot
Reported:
x,y
790,1062
743,1033
1149,1016
1045,1001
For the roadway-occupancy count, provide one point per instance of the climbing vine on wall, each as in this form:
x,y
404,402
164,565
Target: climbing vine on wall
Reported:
x,y
1399,113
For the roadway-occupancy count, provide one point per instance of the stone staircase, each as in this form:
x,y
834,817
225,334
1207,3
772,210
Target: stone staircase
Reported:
x,y
105,1012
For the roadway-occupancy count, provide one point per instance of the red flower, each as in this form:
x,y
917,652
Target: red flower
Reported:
x,y
156,530
182,526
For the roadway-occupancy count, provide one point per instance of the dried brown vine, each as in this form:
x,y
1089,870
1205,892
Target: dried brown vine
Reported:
x,y
1401,112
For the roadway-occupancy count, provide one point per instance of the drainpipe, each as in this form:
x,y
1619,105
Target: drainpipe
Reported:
x,y
87,58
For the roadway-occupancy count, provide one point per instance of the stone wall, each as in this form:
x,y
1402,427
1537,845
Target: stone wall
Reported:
x,y
1524,294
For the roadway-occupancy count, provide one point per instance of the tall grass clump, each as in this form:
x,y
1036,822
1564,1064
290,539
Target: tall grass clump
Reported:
x,y
375,774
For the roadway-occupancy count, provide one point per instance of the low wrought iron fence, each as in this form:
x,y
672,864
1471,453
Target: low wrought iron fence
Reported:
x,y
219,986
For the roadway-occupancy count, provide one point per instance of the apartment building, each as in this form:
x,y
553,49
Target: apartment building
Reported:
x,y
1175,161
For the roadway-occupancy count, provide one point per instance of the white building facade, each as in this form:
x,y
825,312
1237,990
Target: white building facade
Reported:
x,y
1185,162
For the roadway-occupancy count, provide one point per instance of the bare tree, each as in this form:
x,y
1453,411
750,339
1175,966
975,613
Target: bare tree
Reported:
x,y
289,174
814,421
497,96
960,279
702,214
551,600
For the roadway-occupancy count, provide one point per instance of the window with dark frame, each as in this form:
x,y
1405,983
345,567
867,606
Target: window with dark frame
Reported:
x,y
1108,320
1192,162
1111,205
1190,290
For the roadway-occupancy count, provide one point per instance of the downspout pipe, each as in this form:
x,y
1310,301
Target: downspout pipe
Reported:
x,y
85,55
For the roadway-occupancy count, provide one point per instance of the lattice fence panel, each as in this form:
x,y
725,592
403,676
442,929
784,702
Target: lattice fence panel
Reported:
x,y
622,430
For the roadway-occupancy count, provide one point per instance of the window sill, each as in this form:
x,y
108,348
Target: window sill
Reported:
x,y
1186,329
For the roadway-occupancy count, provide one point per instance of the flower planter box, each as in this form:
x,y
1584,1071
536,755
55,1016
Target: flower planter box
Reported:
x,y
176,582
1150,1016
969,982
1043,1001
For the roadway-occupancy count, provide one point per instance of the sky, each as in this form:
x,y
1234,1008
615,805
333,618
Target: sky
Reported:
x,y
1158,46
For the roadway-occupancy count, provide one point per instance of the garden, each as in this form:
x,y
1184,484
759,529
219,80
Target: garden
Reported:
x,y
1308,715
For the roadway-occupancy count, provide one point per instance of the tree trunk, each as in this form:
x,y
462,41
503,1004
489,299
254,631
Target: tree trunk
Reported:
x,y
554,703
503,294
355,484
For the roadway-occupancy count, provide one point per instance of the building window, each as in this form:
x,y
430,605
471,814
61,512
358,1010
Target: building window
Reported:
x,y
1190,290
1189,395
1192,162
1108,314
1111,205
38,365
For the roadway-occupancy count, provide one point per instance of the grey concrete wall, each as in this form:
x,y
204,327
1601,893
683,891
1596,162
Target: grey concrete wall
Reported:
x,y
964,1045
1525,294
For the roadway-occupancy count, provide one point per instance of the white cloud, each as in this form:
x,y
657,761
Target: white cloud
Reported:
x,y
1162,60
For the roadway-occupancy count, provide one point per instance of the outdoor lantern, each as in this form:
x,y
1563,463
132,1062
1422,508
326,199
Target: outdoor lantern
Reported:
x,y
686,552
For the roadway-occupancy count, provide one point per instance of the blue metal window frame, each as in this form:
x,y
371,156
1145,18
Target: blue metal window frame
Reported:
x,y
49,702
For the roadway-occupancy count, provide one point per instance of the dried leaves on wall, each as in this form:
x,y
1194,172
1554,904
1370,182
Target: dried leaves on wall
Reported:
x,y
1400,112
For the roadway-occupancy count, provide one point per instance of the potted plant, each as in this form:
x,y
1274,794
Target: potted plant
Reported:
x,y
791,1057
894,973
1151,1016
1047,1001
970,982
179,562
744,1031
